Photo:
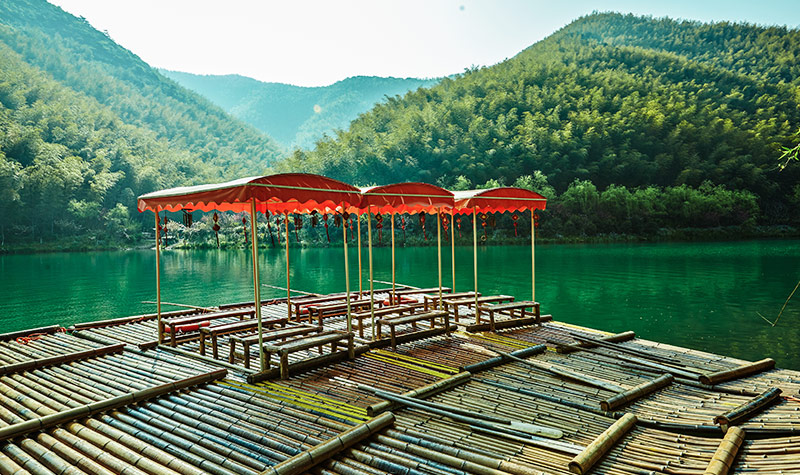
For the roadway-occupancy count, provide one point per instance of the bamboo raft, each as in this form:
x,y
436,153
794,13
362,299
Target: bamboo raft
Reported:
x,y
532,399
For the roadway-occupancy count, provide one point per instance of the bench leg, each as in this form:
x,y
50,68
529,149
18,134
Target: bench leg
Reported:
x,y
284,364
172,337
491,320
447,324
394,338
378,329
246,355
360,327
202,343
455,312
214,347
351,349
232,354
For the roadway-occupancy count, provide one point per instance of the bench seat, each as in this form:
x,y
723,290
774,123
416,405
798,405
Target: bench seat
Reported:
x,y
510,307
413,318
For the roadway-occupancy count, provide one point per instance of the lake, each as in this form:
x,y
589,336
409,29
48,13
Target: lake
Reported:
x,y
700,295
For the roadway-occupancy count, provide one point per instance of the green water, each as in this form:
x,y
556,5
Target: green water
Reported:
x,y
702,295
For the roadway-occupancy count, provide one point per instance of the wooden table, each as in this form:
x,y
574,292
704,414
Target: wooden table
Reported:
x,y
381,312
174,323
278,334
413,318
332,337
234,327
471,301
510,307
431,300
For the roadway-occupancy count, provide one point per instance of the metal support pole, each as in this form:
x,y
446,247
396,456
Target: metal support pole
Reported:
x,y
360,280
453,247
394,297
256,284
475,260
439,251
533,258
158,280
371,281
288,287
346,272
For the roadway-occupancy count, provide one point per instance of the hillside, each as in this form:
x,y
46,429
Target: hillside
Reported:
x,y
87,126
610,100
296,116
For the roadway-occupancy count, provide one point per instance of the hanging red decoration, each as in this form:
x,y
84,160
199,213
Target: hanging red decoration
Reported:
x,y
422,223
244,225
278,226
379,226
483,224
166,238
298,223
458,224
403,226
445,225
325,219
514,218
352,233
536,220
216,227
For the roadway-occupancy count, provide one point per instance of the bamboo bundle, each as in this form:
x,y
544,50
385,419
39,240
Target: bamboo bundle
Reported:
x,y
726,453
738,372
55,360
584,461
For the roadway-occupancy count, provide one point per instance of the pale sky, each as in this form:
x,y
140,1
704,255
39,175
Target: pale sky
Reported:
x,y
315,43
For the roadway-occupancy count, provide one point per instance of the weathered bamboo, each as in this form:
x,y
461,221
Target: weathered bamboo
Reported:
x,y
304,461
725,454
749,409
636,392
54,360
44,330
569,374
88,410
499,360
584,461
616,338
306,365
739,372
422,392
158,279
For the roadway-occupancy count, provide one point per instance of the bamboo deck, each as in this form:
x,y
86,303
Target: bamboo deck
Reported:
x,y
93,401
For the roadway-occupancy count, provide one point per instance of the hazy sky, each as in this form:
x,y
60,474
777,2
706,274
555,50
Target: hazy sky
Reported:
x,y
313,43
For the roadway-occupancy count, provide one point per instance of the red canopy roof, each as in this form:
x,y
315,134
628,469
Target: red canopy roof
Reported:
x,y
406,198
286,192
500,200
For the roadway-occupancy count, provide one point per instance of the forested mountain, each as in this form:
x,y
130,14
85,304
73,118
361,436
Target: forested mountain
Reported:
x,y
608,100
293,115
86,126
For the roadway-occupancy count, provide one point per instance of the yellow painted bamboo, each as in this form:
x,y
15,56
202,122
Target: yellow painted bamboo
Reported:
x,y
533,257
288,286
360,280
256,283
475,260
346,273
158,281
394,298
439,251
371,281
453,248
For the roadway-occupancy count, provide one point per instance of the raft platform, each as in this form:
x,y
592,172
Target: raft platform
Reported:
x,y
534,396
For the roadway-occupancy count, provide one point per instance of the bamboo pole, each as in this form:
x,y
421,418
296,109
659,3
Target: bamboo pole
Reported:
x,y
533,257
346,273
158,281
360,280
393,266
371,279
288,286
475,260
439,251
723,458
739,372
256,284
584,461
453,248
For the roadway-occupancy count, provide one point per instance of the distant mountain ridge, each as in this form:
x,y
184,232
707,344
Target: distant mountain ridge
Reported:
x,y
296,116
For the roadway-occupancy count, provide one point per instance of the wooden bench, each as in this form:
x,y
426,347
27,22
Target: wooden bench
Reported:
x,y
332,337
332,310
303,303
381,312
469,302
413,319
429,290
430,301
510,307
174,323
278,334
235,327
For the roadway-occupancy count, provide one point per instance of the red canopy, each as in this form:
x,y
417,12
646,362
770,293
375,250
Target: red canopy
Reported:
x,y
406,198
286,192
498,200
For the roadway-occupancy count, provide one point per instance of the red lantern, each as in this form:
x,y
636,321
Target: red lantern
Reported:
x,y
515,218
216,228
422,223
